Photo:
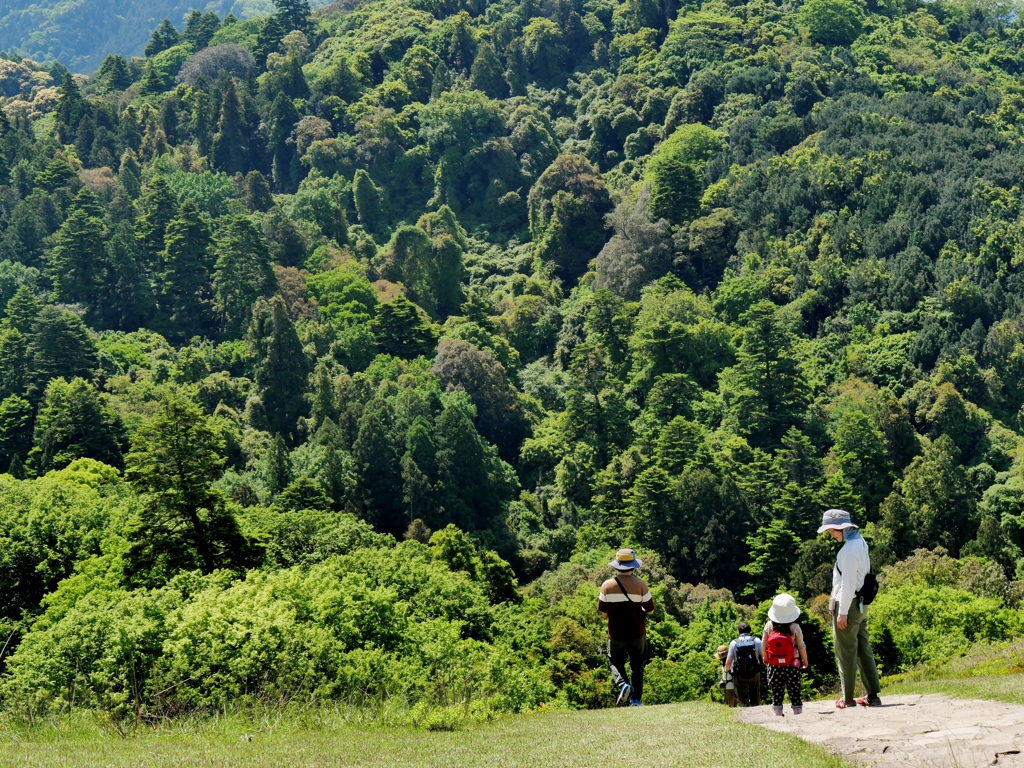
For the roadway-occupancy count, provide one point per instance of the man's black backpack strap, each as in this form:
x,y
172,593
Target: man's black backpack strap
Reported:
x,y
638,606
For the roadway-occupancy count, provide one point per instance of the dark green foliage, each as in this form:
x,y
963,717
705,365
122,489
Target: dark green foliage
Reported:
x,y
59,346
15,430
281,366
184,288
163,37
231,144
183,523
243,272
402,330
75,423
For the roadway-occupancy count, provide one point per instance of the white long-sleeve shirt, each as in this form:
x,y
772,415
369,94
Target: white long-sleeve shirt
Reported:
x,y
852,564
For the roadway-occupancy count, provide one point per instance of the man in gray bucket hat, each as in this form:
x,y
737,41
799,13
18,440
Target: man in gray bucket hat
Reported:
x,y
849,615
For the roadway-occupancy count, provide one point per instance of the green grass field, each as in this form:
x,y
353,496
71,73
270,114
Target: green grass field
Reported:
x,y
693,734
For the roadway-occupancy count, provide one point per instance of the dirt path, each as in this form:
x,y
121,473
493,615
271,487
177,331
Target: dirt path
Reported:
x,y
921,731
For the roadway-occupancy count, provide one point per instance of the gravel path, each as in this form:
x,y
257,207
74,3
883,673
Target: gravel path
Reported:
x,y
929,730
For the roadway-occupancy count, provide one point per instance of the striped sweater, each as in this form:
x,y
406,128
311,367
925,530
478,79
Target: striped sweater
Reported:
x,y
624,620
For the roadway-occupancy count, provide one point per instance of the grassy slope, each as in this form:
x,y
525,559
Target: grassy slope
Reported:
x,y
995,673
692,734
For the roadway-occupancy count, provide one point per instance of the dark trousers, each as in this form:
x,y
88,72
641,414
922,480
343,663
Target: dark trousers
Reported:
x,y
748,690
636,650
782,680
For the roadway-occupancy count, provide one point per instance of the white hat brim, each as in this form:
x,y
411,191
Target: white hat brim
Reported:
x,y
774,616
840,527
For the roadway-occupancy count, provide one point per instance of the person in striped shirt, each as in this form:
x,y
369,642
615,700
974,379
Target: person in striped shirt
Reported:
x,y
626,601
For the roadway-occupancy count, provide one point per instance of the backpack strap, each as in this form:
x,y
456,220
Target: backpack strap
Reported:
x,y
638,606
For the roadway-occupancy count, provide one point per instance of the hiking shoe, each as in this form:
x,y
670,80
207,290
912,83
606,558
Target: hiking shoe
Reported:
x,y
778,711
869,701
625,694
798,710
635,703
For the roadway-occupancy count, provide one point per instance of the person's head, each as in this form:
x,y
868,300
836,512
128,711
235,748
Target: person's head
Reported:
x,y
783,610
626,562
837,522
743,628
722,652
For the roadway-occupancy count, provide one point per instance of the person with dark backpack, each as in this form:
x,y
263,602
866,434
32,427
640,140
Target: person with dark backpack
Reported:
x,y
744,662
626,602
785,653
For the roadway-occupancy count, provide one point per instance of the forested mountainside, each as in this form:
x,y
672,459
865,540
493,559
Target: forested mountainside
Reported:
x,y
81,33
339,349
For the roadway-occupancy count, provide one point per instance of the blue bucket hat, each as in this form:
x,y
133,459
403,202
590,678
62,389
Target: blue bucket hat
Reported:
x,y
836,519
626,560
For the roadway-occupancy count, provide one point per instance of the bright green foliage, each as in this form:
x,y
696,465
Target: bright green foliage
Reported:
x,y
831,22
183,522
243,272
369,203
74,423
675,172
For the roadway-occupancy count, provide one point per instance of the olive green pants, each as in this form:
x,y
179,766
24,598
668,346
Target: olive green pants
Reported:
x,y
853,652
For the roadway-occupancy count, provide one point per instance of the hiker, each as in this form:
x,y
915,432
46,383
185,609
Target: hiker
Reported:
x,y
853,588
726,684
785,654
626,601
744,662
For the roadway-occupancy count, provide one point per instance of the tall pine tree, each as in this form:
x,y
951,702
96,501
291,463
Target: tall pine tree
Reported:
x,y
243,272
231,144
282,369
184,284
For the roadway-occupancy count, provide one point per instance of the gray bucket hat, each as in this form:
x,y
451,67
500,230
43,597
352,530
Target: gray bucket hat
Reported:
x,y
837,519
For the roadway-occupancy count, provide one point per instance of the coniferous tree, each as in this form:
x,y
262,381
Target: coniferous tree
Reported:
x,y
184,284
15,429
281,367
402,330
277,466
71,108
369,203
269,39
184,522
59,346
293,14
243,271
156,209
280,124
257,195
114,73
77,259
487,74
75,423
22,310
231,144
13,360
770,390
127,301
164,36
200,28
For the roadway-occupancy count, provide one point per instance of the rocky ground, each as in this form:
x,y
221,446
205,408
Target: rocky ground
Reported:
x,y
930,730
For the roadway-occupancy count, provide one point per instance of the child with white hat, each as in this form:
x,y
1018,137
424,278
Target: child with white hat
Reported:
x,y
785,654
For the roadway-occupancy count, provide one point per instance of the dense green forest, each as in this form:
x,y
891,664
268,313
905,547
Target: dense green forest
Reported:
x,y
339,349
81,33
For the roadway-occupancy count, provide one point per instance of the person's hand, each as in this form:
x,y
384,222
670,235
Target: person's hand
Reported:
x,y
841,621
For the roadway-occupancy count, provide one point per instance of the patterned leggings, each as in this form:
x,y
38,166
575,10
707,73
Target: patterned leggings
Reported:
x,y
783,679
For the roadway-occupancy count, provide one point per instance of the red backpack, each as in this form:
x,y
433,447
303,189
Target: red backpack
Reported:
x,y
781,652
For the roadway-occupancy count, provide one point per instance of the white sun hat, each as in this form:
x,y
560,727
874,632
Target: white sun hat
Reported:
x,y
784,609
